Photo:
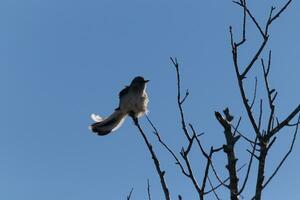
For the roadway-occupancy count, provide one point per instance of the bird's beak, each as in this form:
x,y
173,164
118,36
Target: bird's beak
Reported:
x,y
146,81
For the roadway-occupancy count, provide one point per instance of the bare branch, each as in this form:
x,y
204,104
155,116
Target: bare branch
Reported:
x,y
260,113
261,168
198,141
249,168
255,57
243,136
189,147
284,122
213,190
229,150
148,189
280,11
167,147
179,101
231,38
185,96
237,126
266,70
241,87
223,182
253,154
130,193
209,158
254,95
208,163
252,17
243,2
286,155
271,143
191,174
155,160
269,19
294,124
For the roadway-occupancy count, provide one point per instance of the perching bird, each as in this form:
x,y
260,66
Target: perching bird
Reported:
x,y
133,102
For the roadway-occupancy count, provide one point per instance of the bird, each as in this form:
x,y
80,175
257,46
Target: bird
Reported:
x,y
133,102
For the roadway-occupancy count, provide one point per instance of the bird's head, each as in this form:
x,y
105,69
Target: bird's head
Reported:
x,y
138,82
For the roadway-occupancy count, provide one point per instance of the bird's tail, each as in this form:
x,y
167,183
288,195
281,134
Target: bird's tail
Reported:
x,y
110,124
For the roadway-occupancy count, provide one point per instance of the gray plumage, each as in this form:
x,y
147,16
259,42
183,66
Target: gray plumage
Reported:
x,y
133,101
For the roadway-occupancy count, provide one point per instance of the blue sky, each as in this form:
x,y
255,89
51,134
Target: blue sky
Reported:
x,y
62,60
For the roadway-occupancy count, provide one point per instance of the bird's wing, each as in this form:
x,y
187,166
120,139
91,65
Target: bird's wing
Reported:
x,y
124,91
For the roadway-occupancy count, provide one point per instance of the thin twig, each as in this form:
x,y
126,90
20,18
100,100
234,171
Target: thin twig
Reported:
x,y
286,155
281,10
294,124
243,135
260,113
130,193
237,126
179,101
249,168
224,181
208,162
254,95
191,173
148,189
266,70
167,147
213,190
284,122
255,57
208,157
243,2
252,18
241,87
155,160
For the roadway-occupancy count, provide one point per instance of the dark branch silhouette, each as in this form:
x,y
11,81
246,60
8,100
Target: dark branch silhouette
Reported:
x,y
130,193
155,160
261,137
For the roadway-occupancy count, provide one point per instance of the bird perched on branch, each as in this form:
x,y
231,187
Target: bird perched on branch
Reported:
x,y
133,102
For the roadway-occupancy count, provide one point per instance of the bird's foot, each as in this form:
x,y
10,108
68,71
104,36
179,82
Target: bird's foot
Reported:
x,y
134,118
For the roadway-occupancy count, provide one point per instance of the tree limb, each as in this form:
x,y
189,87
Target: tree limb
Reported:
x,y
155,160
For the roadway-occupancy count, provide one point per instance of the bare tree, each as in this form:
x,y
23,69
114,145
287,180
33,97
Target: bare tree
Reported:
x,y
261,141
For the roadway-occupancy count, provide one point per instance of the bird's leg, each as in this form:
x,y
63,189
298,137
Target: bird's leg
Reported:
x,y
134,118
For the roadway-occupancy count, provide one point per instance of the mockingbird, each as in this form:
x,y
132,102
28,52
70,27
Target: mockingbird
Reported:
x,y
133,102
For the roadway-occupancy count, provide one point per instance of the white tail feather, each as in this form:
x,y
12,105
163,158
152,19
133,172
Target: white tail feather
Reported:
x,y
96,118
105,126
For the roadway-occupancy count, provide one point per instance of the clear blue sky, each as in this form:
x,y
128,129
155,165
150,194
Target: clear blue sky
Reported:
x,y
61,60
